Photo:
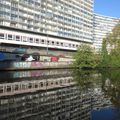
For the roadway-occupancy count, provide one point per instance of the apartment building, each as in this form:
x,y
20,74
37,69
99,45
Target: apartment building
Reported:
x,y
102,26
58,24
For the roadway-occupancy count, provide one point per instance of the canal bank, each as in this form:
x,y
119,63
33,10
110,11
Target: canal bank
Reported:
x,y
15,66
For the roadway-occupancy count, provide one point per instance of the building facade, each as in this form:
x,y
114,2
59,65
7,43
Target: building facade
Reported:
x,y
59,24
102,26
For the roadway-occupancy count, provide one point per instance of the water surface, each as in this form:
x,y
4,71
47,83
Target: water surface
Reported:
x,y
60,95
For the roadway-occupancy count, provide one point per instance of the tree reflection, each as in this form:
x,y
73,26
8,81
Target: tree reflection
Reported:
x,y
111,84
86,78
104,86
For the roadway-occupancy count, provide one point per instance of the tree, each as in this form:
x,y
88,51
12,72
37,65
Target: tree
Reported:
x,y
111,48
84,57
104,54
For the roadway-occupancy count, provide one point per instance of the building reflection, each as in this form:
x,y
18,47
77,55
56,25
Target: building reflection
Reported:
x,y
17,75
61,103
50,98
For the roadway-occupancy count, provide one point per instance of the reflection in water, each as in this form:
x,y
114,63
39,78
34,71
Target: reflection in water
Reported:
x,y
103,107
111,85
20,75
45,99
58,95
67,103
91,80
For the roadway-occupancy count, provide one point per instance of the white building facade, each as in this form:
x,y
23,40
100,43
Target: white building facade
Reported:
x,y
102,26
60,24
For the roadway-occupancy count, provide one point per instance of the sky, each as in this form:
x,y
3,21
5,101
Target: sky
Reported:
x,y
107,7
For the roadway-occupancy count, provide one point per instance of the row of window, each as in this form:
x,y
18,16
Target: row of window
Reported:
x,y
36,40
75,18
33,85
17,17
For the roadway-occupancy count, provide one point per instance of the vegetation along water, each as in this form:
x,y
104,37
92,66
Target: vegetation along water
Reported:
x,y
108,57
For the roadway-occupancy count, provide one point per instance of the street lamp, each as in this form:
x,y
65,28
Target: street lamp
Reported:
x,y
47,44
48,16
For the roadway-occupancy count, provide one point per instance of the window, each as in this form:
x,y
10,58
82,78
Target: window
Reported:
x,y
60,81
51,83
14,4
24,39
69,81
46,83
30,85
1,89
31,40
56,83
2,36
66,45
48,42
69,45
36,85
9,37
42,41
41,84
37,40
52,42
77,46
17,38
16,87
8,88
61,44
1,22
57,43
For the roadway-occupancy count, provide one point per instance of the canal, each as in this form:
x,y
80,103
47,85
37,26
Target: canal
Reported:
x,y
60,94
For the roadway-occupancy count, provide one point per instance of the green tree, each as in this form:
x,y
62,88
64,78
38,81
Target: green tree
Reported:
x,y
104,54
111,48
84,57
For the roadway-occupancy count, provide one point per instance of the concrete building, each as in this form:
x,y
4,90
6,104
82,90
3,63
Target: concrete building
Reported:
x,y
59,24
51,26
102,26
